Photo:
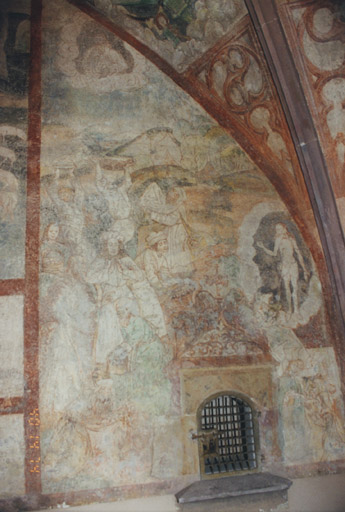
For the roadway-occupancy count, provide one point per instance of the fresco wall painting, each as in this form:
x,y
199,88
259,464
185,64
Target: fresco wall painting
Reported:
x,y
179,31
163,247
231,81
14,60
170,269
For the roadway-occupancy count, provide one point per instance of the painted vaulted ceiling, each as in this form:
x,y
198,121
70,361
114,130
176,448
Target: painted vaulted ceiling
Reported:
x,y
211,50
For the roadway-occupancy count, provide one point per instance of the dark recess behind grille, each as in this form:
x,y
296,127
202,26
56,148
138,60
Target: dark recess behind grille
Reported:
x,y
233,446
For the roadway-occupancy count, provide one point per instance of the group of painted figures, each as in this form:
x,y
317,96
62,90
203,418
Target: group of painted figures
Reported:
x,y
98,253
124,294
114,296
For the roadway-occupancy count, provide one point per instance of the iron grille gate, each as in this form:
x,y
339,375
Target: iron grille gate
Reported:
x,y
226,436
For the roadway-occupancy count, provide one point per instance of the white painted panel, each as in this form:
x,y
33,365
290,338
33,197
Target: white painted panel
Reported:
x,y
12,455
11,346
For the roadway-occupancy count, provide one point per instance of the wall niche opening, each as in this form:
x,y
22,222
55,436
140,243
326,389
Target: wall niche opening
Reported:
x,y
227,435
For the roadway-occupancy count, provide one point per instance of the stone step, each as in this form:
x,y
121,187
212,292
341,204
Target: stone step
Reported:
x,y
233,486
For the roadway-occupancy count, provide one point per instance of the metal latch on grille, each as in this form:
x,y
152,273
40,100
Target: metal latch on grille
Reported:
x,y
204,435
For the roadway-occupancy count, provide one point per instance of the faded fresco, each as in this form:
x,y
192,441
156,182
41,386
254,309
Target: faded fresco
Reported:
x,y
178,30
162,247
14,61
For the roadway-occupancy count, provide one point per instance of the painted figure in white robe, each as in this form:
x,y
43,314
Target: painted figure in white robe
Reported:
x,y
154,261
68,199
116,276
291,257
169,210
105,273
53,253
115,191
66,322
149,306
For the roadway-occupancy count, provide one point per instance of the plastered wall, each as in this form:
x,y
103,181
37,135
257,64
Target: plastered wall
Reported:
x,y
169,269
